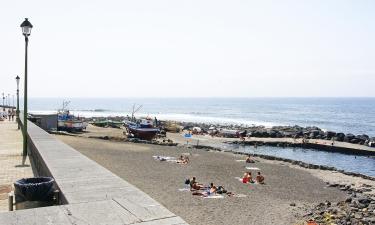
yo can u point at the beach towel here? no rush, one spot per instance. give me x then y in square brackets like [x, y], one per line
[240, 160]
[165, 158]
[213, 196]
[252, 168]
[184, 189]
[238, 196]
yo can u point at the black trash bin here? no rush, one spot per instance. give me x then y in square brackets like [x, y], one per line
[34, 192]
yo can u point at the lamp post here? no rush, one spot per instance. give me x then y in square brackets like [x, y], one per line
[26, 31]
[18, 101]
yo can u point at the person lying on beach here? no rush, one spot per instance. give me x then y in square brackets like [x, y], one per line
[259, 178]
[249, 160]
[221, 190]
[211, 190]
[183, 160]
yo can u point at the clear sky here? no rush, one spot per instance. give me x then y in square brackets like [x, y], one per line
[181, 48]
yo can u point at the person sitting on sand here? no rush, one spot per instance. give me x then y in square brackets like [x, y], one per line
[183, 160]
[194, 184]
[249, 178]
[249, 160]
[245, 179]
[213, 188]
[259, 178]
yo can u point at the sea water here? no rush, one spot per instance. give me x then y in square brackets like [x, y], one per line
[348, 162]
[347, 115]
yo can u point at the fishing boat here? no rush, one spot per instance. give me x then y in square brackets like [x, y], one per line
[107, 123]
[67, 121]
[142, 130]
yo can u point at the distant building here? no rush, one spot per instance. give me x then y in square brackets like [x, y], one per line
[48, 122]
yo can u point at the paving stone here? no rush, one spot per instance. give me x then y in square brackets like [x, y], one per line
[100, 212]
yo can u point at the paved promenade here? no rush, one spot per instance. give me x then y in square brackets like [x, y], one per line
[10, 160]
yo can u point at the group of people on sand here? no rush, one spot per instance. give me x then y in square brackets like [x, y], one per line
[247, 178]
[181, 160]
[201, 190]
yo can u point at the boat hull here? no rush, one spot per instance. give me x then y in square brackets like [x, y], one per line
[143, 133]
[71, 125]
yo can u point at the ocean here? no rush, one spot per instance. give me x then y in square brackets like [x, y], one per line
[347, 115]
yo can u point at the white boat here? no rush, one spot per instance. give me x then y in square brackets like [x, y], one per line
[68, 122]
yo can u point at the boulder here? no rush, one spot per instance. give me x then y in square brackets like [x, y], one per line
[349, 137]
[339, 137]
[330, 134]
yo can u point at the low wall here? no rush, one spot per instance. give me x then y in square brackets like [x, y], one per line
[91, 194]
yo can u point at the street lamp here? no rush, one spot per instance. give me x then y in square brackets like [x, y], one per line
[26, 31]
[18, 101]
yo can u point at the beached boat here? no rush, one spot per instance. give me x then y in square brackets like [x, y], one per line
[68, 122]
[142, 130]
[107, 123]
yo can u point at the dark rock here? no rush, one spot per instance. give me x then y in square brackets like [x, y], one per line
[339, 137]
[349, 137]
[364, 200]
[330, 135]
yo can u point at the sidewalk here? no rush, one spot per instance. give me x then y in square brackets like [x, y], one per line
[11, 168]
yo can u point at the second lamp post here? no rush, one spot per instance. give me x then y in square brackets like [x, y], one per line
[18, 101]
[26, 31]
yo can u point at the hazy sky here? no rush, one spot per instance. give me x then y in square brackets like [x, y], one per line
[190, 48]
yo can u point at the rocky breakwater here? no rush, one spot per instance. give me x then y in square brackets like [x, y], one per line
[309, 133]
[284, 132]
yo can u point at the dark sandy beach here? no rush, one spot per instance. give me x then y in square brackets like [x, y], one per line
[263, 204]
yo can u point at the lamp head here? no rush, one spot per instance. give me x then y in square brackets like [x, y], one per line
[26, 27]
[18, 81]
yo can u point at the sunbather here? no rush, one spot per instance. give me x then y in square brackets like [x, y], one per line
[247, 178]
[183, 160]
[249, 160]
[194, 185]
[260, 178]
[213, 188]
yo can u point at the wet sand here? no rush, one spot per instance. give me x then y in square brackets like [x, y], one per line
[263, 204]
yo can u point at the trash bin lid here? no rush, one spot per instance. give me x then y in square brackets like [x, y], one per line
[34, 189]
